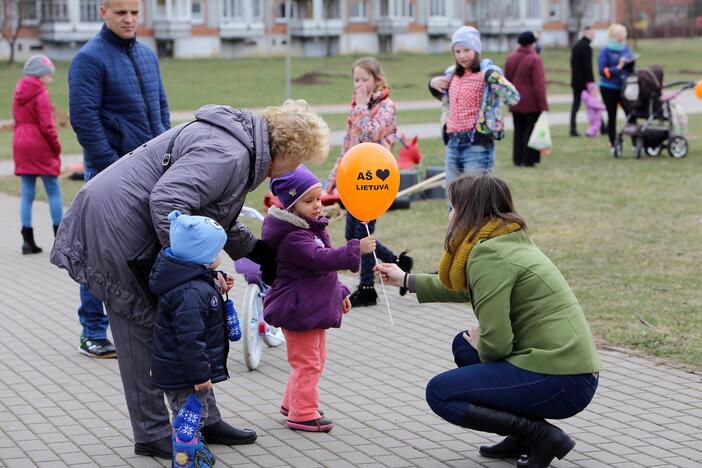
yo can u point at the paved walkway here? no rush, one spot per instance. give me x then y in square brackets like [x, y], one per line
[60, 408]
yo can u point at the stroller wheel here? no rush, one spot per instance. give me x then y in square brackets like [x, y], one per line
[617, 148]
[654, 151]
[638, 147]
[677, 147]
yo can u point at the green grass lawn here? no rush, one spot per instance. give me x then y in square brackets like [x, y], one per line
[256, 82]
[625, 233]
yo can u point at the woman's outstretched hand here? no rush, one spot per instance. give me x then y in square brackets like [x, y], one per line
[391, 274]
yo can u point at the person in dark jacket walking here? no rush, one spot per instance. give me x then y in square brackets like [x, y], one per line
[190, 343]
[216, 161]
[117, 102]
[306, 298]
[36, 148]
[525, 69]
[580, 73]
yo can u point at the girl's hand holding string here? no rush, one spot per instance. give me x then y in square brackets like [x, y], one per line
[346, 304]
[367, 244]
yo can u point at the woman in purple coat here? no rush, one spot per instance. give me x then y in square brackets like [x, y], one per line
[306, 298]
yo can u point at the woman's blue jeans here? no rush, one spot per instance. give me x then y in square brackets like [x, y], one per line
[501, 385]
[29, 190]
[462, 156]
[356, 230]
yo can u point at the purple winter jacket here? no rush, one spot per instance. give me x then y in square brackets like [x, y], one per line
[306, 294]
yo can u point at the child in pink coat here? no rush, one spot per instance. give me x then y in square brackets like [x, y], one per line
[593, 103]
[35, 145]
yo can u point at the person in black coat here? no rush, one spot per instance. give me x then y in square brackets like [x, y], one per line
[581, 73]
[190, 341]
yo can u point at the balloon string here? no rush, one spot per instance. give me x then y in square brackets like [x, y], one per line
[385, 293]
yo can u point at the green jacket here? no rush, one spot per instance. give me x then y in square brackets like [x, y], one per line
[528, 314]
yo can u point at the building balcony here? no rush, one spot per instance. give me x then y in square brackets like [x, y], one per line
[509, 25]
[316, 28]
[173, 28]
[388, 25]
[442, 25]
[233, 29]
[68, 32]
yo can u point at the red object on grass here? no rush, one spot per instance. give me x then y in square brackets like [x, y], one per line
[409, 154]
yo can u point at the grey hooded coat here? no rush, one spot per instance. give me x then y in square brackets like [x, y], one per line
[113, 215]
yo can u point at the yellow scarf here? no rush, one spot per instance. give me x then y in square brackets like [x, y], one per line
[452, 268]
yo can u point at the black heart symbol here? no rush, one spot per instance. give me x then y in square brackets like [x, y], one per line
[383, 174]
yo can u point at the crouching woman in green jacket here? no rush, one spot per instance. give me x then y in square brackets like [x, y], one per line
[532, 356]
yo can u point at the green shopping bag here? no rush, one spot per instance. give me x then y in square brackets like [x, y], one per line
[540, 138]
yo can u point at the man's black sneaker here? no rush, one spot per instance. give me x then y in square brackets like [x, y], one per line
[101, 348]
[363, 296]
[405, 262]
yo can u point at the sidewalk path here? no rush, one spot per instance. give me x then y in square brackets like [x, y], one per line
[59, 408]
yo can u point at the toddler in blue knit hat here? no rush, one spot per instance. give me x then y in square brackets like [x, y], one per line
[190, 344]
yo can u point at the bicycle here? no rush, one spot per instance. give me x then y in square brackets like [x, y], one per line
[255, 330]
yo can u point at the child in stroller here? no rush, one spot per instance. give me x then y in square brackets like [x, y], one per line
[665, 123]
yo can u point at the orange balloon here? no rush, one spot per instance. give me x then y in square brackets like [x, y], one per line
[698, 89]
[368, 180]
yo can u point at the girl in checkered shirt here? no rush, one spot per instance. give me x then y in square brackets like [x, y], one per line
[473, 91]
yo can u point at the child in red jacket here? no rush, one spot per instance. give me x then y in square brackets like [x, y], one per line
[35, 145]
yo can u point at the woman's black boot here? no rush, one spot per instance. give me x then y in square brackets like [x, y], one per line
[545, 440]
[511, 447]
[28, 246]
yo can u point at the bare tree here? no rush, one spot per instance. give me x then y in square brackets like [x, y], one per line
[13, 14]
[629, 11]
[578, 9]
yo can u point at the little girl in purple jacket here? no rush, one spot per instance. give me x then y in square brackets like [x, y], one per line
[306, 298]
[595, 108]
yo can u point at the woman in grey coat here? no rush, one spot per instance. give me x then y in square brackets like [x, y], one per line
[116, 213]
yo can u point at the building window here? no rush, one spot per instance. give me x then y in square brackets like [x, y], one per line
[197, 11]
[233, 9]
[280, 13]
[332, 9]
[55, 11]
[89, 11]
[256, 9]
[533, 9]
[437, 8]
[554, 12]
[404, 8]
[359, 10]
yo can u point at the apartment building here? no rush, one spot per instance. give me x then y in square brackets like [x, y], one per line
[236, 28]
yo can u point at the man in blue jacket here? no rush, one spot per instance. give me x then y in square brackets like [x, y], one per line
[117, 102]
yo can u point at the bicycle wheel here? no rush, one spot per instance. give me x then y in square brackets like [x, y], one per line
[273, 337]
[253, 343]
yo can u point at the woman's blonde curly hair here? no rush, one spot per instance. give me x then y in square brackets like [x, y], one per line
[296, 130]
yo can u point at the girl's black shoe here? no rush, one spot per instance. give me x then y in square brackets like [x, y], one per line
[363, 296]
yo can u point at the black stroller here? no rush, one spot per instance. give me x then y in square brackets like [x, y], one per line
[664, 121]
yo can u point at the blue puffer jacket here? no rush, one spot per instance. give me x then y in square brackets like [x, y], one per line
[610, 76]
[116, 98]
[190, 331]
